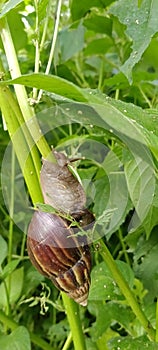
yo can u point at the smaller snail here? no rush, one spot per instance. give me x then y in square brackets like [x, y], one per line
[60, 187]
[60, 255]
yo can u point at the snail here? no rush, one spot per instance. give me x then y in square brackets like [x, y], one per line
[53, 245]
[60, 188]
[60, 255]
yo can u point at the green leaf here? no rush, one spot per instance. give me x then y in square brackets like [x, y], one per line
[114, 312]
[16, 26]
[32, 280]
[17, 340]
[10, 5]
[71, 42]
[141, 181]
[151, 219]
[9, 268]
[3, 249]
[80, 9]
[45, 208]
[98, 46]
[146, 265]
[49, 83]
[15, 287]
[141, 25]
[99, 24]
[42, 8]
[103, 286]
[130, 343]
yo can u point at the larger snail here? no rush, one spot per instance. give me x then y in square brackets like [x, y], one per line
[54, 248]
[57, 254]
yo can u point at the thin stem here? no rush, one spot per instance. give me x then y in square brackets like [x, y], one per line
[101, 75]
[56, 26]
[11, 207]
[156, 338]
[72, 311]
[117, 94]
[122, 284]
[45, 25]
[9, 323]
[20, 146]
[68, 342]
[37, 50]
[123, 247]
[7, 298]
[145, 97]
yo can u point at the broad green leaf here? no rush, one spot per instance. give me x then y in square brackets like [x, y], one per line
[32, 280]
[98, 47]
[141, 25]
[99, 24]
[117, 200]
[16, 26]
[151, 219]
[142, 125]
[80, 9]
[49, 83]
[42, 8]
[141, 182]
[17, 340]
[107, 314]
[8, 6]
[15, 287]
[9, 268]
[146, 265]
[130, 343]
[3, 249]
[71, 42]
[103, 286]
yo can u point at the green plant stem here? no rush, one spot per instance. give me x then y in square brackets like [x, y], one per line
[144, 96]
[37, 50]
[55, 33]
[72, 311]
[123, 246]
[122, 284]
[9, 323]
[11, 207]
[45, 25]
[68, 342]
[27, 111]
[156, 338]
[101, 75]
[20, 146]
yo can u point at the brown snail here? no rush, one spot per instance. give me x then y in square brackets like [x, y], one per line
[60, 188]
[59, 255]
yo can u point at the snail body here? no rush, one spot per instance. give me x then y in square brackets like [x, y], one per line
[59, 255]
[60, 188]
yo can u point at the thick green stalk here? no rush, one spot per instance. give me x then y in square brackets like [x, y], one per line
[20, 145]
[72, 311]
[9, 323]
[122, 284]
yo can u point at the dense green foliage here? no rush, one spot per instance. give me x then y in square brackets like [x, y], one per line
[91, 80]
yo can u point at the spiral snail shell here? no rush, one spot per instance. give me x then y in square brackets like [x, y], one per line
[59, 255]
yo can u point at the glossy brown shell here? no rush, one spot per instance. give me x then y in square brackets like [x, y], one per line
[59, 255]
[59, 186]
